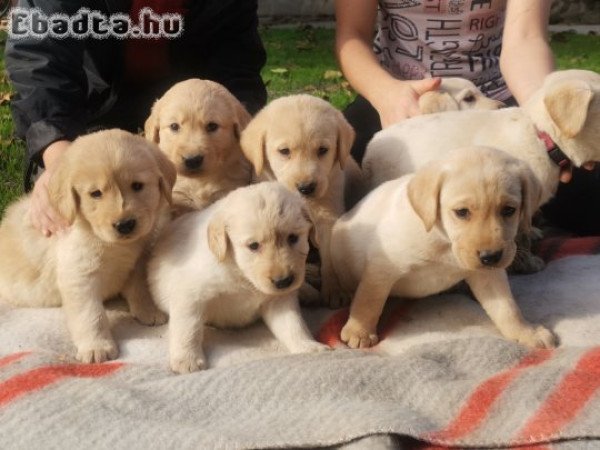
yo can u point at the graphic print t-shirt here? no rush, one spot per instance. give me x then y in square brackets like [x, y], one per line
[443, 38]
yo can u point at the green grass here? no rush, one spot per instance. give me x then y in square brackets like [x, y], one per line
[299, 60]
[11, 150]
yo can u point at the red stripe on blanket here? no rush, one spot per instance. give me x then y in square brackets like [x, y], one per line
[480, 402]
[12, 358]
[329, 333]
[559, 247]
[41, 377]
[566, 401]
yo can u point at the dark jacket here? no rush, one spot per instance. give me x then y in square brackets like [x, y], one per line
[63, 85]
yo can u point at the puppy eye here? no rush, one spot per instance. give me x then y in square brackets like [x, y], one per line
[211, 127]
[462, 213]
[254, 246]
[96, 194]
[469, 98]
[284, 151]
[174, 127]
[508, 211]
[137, 186]
[292, 239]
[322, 151]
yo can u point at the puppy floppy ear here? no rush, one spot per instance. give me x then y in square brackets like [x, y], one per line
[424, 193]
[168, 173]
[435, 101]
[345, 139]
[152, 124]
[253, 142]
[62, 194]
[531, 196]
[312, 234]
[567, 104]
[242, 118]
[217, 237]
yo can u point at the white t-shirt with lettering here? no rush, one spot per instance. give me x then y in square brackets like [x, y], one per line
[443, 38]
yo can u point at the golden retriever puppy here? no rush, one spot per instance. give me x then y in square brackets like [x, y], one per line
[456, 94]
[455, 219]
[240, 259]
[304, 142]
[197, 123]
[558, 127]
[114, 188]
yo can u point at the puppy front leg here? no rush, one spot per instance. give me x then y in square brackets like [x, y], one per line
[87, 322]
[492, 290]
[360, 330]
[186, 329]
[139, 298]
[282, 316]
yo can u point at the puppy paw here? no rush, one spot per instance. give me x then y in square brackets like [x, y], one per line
[355, 336]
[537, 337]
[150, 316]
[97, 351]
[309, 347]
[187, 363]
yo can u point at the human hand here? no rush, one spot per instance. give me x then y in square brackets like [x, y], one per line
[566, 174]
[41, 213]
[401, 99]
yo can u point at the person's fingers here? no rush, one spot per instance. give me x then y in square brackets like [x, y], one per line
[589, 165]
[426, 85]
[565, 175]
[42, 215]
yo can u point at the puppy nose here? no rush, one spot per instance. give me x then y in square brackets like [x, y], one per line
[125, 227]
[193, 163]
[282, 283]
[490, 258]
[306, 188]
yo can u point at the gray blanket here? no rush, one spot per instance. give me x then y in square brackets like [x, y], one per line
[442, 376]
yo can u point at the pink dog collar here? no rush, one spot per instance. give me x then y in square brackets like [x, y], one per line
[554, 151]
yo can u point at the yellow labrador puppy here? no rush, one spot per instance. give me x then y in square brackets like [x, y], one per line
[238, 260]
[304, 142]
[114, 188]
[456, 94]
[455, 219]
[197, 123]
[558, 127]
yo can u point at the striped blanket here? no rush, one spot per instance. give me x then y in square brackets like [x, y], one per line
[441, 376]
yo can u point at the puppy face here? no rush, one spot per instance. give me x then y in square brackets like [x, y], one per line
[456, 94]
[114, 182]
[197, 123]
[264, 230]
[479, 197]
[300, 138]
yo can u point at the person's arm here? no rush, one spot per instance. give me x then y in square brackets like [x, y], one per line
[49, 103]
[526, 56]
[393, 99]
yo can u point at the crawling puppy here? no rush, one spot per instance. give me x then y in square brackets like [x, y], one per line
[304, 142]
[455, 219]
[114, 188]
[559, 127]
[239, 259]
[197, 123]
[456, 94]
